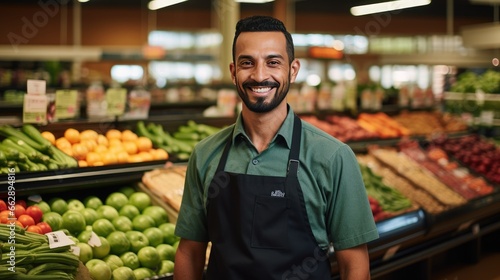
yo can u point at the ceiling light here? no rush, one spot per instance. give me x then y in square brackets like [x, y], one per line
[158, 4]
[253, 1]
[387, 6]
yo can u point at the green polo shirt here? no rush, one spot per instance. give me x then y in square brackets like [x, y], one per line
[329, 175]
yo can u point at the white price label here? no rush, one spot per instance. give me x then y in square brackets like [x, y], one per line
[94, 240]
[58, 239]
[75, 250]
[36, 86]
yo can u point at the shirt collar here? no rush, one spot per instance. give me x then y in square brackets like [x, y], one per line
[285, 132]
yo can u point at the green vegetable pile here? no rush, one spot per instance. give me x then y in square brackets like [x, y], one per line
[469, 82]
[25, 149]
[181, 142]
[30, 256]
[390, 199]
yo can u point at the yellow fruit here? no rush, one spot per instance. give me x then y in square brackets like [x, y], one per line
[72, 135]
[82, 163]
[92, 158]
[79, 151]
[88, 134]
[102, 140]
[122, 157]
[159, 154]
[114, 142]
[109, 158]
[62, 143]
[100, 149]
[145, 156]
[134, 158]
[89, 143]
[130, 147]
[144, 144]
[114, 134]
[49, 136]
[128, 135]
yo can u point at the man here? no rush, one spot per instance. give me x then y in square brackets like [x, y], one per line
[271, 192]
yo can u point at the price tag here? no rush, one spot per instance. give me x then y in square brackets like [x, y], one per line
[116, 99]
[36, 87]
[66, 104]
[391, 252]
[94, 240]
[58, 239]
[35, 108]
[35, 198]
[75, 250]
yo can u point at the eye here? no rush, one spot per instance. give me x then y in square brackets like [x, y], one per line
[246, 63]
[274, 62]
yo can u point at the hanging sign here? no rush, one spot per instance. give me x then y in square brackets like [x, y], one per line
[35, 102]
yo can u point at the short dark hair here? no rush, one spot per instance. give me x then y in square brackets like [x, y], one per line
[263, 24]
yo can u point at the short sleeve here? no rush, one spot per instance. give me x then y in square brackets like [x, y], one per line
[350, 220]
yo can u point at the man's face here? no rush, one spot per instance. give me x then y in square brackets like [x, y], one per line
[261, 70]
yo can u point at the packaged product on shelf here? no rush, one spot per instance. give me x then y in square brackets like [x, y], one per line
[96, 101]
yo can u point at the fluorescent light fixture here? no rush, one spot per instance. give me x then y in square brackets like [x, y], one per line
[253, 1]
[158, 4]
[387, 6]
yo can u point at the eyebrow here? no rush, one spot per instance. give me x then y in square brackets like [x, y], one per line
[271, 56]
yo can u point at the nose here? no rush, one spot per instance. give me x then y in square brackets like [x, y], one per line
[259, 72]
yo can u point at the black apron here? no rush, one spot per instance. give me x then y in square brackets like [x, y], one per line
[258, 225]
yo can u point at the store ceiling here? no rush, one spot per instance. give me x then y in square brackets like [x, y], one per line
[438, 8]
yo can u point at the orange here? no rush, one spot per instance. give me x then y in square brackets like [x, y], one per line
[67, 150]
[79, 151]
[72, 135]
[49, 136]
[129, 135]
[92, 158]
[109, 158]
[122, 157]
[82, 163]
[130, 147]
[102, 140]
[114, 134]
[145, 156]
[159, 154]
[114, 142]
[88, 134]
[116, 149]
[144, 144]
[89, 143]
[62, 143]
[134, 158]
[100, 149]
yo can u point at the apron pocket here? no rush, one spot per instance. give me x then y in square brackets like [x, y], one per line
[270, 223]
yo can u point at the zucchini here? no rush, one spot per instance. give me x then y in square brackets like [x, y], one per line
[7, 131]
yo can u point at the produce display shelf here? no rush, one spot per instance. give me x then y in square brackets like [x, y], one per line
[71, 179]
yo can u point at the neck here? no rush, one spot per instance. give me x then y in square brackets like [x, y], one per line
[262, 127]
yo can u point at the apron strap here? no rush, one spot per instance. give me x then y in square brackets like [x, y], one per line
[293, 160]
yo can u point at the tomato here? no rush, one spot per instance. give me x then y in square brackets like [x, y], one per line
[26, 220]
[4, 216]
[21, 202]
[34, 228]
[19, 210]
[44, 227]
[3, 205]
[35, 212]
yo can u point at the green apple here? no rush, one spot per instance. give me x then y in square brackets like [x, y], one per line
[158, 213]
[118, 242]
[54, 220]
[166, 252]
[90, 215]
[113, 261]
[107, 212]
[154, 235]
[137, 240]
[142, 222]
[116, 200]
[124, 273]
[98, 269]
[149, 257]
[130, 259]
[103, 227]
[101, 251]
[58, 205]
[86, 253]
[127, 190]
[74, 222]
[122, 223]
[75, 204]
[169, 236]
[166, 267]
[93, 202]
[143, 273]
[129, 211]
[141, 200]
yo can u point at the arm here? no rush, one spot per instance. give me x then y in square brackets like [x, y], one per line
[354, 263]
[189, 260]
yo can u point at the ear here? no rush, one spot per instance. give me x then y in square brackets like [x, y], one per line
[294, 70]
[232, 70]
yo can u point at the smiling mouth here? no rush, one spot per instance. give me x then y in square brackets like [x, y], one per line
[260, 89]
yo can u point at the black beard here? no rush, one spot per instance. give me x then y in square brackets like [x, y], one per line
[260, 106]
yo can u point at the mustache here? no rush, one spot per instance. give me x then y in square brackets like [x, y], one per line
[261, 84]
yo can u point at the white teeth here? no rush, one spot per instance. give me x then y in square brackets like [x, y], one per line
[261, 89]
